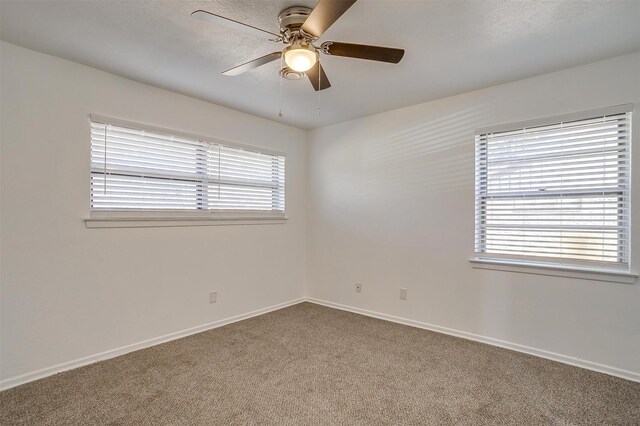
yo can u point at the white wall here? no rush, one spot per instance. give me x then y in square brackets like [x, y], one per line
[70, 292]
[391, 204]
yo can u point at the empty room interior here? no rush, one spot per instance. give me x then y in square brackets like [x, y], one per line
[320, 212]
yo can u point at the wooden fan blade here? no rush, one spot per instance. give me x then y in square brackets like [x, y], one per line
[363, 51]
[318, 84]
[324, 15]
[253, 64]
[230, 24]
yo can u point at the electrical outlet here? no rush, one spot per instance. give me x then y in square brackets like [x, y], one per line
[213, 297]
[403, 293]
[358, 287]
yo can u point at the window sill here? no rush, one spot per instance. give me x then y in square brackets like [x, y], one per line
[158, 222]
[605, 275]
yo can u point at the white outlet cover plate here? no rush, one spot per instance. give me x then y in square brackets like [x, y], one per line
[403, 293]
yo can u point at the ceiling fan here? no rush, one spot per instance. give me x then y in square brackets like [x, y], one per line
[300, 28]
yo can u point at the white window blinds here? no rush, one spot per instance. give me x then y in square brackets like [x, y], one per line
[556, 193]
[133, 169]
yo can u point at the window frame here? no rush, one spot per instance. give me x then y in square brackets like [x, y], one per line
[135, 218]
[569, 268]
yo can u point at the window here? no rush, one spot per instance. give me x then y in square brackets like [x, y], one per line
[134, 169]
[556, 192]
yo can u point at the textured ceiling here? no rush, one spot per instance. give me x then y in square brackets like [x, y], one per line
[451, 47]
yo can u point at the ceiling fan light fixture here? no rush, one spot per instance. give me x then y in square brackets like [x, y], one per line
[300, 27]
[300, 58]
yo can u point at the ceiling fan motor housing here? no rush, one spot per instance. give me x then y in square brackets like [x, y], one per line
[292, 18]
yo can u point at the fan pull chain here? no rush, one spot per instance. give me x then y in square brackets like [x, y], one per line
[280, 77]
[319, 83]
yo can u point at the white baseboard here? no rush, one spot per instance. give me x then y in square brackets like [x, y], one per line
[594, 366]
[70, 365]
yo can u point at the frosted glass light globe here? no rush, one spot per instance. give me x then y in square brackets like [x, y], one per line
[300, 58]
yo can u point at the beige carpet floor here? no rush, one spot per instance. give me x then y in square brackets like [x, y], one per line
[308, 364]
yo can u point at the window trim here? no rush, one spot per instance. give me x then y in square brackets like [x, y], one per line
[127, 221]
[590, 272]
[140, 218]
[555, 270]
